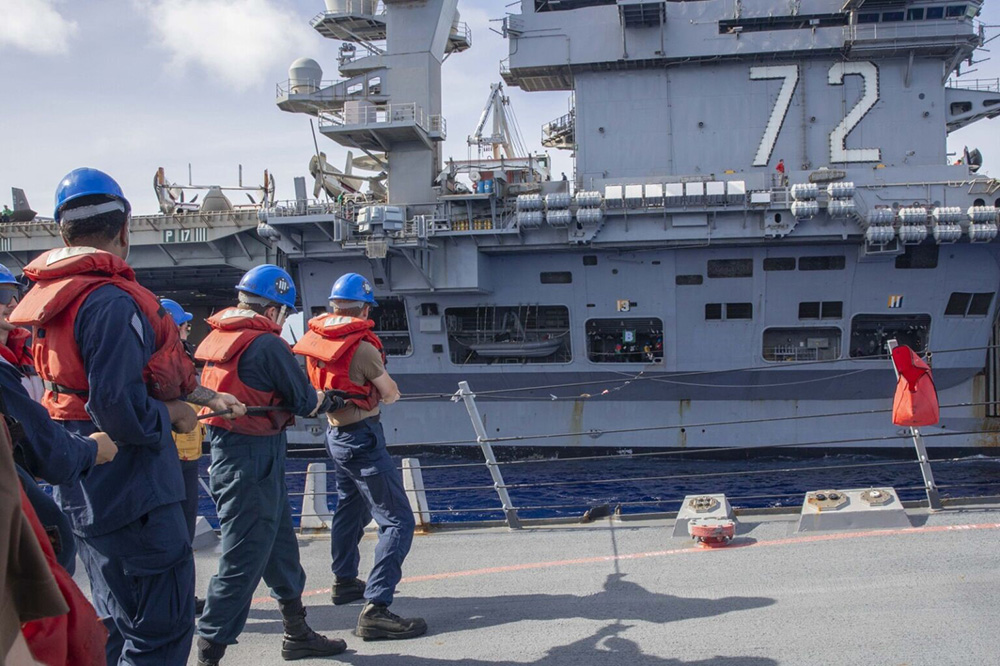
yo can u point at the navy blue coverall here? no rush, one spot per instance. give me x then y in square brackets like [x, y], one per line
[368, 486]
[247, 480]
[50, 452]
[127, 514]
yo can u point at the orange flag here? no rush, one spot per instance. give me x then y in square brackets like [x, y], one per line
[916, 401]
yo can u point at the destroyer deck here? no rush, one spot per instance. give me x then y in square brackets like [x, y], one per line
[625, 592]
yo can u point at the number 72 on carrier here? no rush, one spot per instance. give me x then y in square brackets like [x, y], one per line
[839, 152]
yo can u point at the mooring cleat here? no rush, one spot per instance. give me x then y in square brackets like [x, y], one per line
[712, 532]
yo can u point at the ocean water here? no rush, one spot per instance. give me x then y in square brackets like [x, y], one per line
[541, 487]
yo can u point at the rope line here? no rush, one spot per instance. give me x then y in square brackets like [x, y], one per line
[471, 440]
[741, 422]
[691, 373]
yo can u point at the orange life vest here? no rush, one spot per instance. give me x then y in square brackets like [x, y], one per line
[17, 351]
[329, 345]
[233, 329]
[64, 278]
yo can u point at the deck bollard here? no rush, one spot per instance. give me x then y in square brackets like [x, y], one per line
[316, 515]
[466, 394]
[204, 536]
[413, 482]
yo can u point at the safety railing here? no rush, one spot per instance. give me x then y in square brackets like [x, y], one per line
[359, 8]
[559, 125]
[387, 114]
[982, 85]
[638, 482]
[461, 32]
[294, 208]
[953, 31]
[290, 87]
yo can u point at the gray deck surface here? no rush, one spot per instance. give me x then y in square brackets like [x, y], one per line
[627, 593]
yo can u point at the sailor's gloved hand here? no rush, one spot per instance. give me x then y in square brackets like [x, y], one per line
[182, 417]
[328, 401]
[225, 402]
[106, 448]
[332, 402]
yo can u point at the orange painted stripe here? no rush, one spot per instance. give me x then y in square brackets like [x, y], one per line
[790, 541]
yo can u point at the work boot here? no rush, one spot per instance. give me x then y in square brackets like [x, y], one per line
[346, 590]
[377, 621]
[299, 641]
[209, 653]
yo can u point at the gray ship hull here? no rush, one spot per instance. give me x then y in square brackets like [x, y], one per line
[710, 371]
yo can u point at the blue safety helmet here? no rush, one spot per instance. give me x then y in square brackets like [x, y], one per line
[84, 182]
[177, 313]
[353, 287]
[6, 277]
[270, 282]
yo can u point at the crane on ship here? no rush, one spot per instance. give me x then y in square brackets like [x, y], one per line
[505, 140]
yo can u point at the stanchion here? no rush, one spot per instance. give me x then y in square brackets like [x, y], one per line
[316, 515]
[466, 394]
[413, 483]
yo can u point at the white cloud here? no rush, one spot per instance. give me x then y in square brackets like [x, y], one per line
[35, 26]
[238, 41]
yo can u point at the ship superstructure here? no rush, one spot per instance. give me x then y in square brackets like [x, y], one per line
[762, 198]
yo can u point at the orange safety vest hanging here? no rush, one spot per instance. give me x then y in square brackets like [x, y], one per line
[64, 278]
[916, 402]
[233, 329]
[329, 345]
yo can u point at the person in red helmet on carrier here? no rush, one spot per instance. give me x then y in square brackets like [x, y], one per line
[244, 354]
[344, 356]
[110, 360]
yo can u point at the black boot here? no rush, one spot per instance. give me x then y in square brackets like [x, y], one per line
[299, 641]
[346, 590]
[209, 653]
[377, 621]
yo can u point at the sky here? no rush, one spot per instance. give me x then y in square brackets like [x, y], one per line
[131, 85]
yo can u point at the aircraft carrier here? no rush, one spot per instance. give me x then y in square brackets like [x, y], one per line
[762, 197]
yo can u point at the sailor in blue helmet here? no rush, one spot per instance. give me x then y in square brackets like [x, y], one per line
[181, 317]
[42, 448]
[343, 355]
[111, 360]
[245, 355]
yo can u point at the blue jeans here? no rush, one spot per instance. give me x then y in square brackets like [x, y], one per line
[368, 486]
[247, 480]
[142, 584]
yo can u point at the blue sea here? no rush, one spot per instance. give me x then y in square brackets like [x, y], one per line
[459, 489]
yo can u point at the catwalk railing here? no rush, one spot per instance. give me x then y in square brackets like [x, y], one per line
[585, 481]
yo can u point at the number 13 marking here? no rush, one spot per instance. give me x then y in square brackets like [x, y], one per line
[838, 137]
